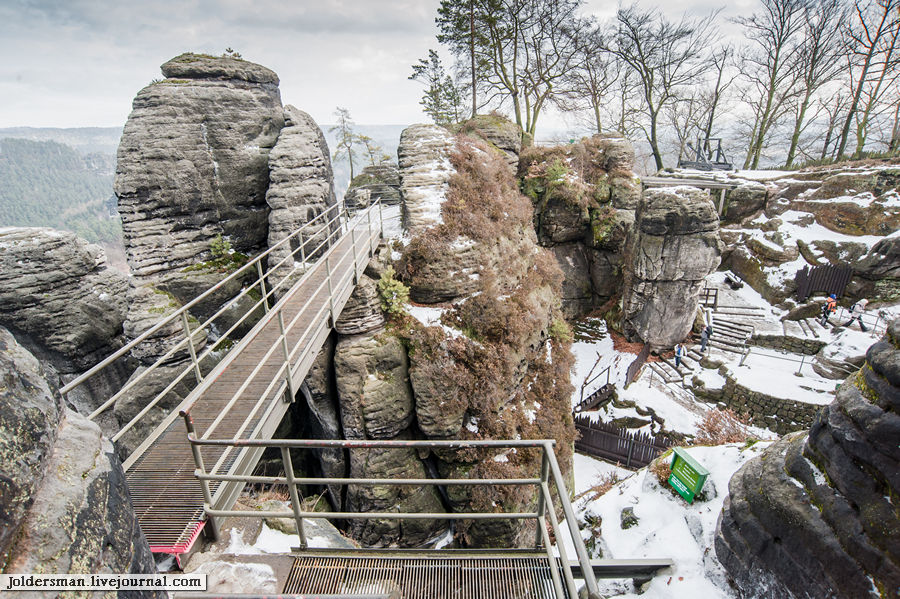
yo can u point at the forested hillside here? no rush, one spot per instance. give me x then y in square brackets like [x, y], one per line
[47, 184]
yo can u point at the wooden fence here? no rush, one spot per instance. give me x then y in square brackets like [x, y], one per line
[827, 279]
[635, 367]
[614, 444]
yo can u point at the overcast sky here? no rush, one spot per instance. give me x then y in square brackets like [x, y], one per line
[77, 63]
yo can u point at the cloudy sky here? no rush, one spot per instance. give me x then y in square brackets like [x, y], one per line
[76, 63]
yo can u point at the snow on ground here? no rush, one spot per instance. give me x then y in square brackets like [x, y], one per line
[745, 296]
[391, 223]
[667, 526]
[774, 373]
[431, 317]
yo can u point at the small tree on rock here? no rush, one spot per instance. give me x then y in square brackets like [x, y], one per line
[346, 138]
[442, 100]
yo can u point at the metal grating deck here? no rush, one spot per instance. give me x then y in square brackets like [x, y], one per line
[518, 577]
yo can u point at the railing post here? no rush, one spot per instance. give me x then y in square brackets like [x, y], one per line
[802, 359]
[355, 259]
[262, 286]
[292, 489]
[287, 358]
[369, 218]
[201, 470]
[330, 291]
[381, 218]
[545, 474]
[302, 252]
[744, 357]
[190, 342]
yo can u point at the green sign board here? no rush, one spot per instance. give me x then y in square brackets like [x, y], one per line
[687, 475]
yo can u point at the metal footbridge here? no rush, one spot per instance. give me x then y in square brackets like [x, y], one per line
[186, 475]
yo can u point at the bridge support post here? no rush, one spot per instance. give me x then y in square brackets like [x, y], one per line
[381, 218]
[201, 470]
[190, 343]
[292, 489]
[262, 286]
[287, 358]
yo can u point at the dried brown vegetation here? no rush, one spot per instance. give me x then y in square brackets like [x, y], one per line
[722, 426]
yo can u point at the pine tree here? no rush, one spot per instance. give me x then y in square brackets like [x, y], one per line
[442, 100]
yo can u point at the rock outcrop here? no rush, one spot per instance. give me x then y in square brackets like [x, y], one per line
[62, 302]
[584, 195]
[376, 182]
[301, 188]
[499, 133]
[676, 245]
[193, 162]
[424, 168]
[813, 516]
[63, 496]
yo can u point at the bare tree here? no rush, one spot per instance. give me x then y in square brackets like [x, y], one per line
[819, 59]
[834, 108]
[665, 56]
[768, 64]
[589, 80]
[871, 38]
[721, 61]
[686, 116]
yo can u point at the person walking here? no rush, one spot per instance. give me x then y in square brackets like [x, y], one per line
[679, 352]
[856, 313]
[828, 309]
[704, 338]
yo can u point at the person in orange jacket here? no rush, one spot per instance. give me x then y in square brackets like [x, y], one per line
[829, 308]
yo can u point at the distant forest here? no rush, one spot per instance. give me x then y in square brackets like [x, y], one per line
[47, 184]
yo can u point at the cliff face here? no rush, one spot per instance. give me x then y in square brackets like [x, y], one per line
[488, 359]
[584, 196]
[815, 515]
[64, 501]
[676, 245]
[193, 162]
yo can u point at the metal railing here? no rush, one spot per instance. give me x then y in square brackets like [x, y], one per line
[217, 507]
[267, 286]
[847, 367]
[877, 323]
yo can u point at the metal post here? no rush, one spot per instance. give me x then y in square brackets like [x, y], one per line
[545, 473]
[355, 259]
[190, 342]
[381, 218]
[201, 469]
[744, 357]
[295, 497]
[302, 252]
[369, 218]
[802, 359]
[330, 292]
[262, 285]
[287, 358]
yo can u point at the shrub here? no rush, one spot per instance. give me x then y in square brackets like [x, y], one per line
[219, 247]
[394, 294]
[604, 482]
[722, 426]
[560, 331]
[661, 468]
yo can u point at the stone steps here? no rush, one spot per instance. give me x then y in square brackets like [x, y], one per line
[667, 376]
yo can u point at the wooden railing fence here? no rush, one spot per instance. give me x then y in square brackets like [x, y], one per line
[606, 441]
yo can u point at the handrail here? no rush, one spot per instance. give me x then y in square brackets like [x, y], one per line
[171, 317]
[332, 242]
[546, 508]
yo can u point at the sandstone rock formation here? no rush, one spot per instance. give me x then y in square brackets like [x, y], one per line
[424, 167]
[193, 162]
[584, 195]
[301, 187]
[65, 507]
[813, 515]
[500, 133]
[63, 303]
[676, 245]
[376, 182]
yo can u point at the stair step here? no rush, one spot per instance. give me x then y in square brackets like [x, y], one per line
[730, 324]
[812, 328]
[664, 375]
[724, 347]
[684, 366]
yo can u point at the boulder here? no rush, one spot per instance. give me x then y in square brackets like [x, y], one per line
[63, 498]
[500, 133]
[301, 188]
[30, 413]
[392, 463]
[424, 169]
[376, 182]
[362, 313]
[676, 246]
[748, 198]
[372, 376]
[878, 272]
[57, 293]
[193, 162]
[812, 516]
